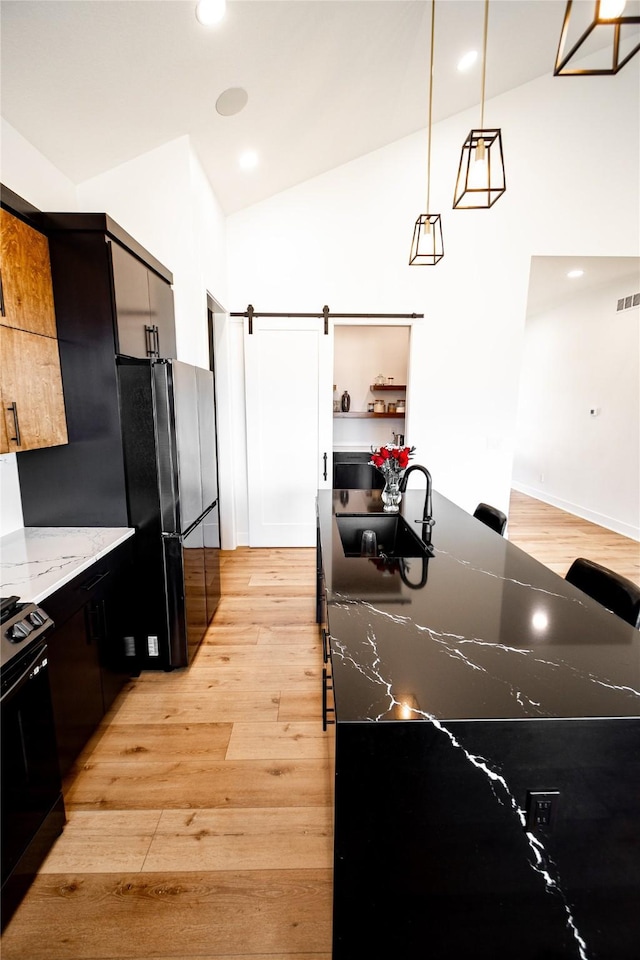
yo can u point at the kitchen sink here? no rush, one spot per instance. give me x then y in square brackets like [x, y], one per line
[395, 537]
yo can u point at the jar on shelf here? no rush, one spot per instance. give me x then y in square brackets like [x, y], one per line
[378, 406]
[391, 407]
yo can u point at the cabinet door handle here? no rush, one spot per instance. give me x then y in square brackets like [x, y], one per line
[94, 581]
[156, 334]
[326, 685]
[3, 312]
[324, 457]
[148, 334]
[95, 622]
[325, 645]
[13, 407]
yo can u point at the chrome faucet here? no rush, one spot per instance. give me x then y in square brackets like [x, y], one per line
[427, 518]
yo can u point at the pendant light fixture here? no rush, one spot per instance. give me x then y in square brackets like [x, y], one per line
[427, 247]
[481, 179]
[607, 19]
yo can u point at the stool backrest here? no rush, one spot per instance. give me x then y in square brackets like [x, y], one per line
[613, 591]
[491, 516]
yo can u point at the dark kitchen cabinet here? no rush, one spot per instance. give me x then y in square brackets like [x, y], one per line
[76, 686]
[143, 308]
[108, 289]
[91, 650]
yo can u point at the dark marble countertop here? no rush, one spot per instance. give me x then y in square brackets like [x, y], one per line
[480, 631]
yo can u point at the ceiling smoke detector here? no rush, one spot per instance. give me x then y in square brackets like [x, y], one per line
[231, 101]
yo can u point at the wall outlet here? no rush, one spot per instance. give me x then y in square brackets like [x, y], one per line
[542, 478]
[152, 646]
[542, 806]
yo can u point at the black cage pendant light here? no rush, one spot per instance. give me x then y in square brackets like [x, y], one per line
[427, 247]
[481, 179]
[605, 21]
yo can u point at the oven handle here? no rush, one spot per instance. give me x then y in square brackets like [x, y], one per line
[26, 675]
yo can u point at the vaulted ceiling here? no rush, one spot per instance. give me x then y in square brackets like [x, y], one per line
[93, 84]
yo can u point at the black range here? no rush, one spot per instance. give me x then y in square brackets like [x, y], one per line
[33, 812]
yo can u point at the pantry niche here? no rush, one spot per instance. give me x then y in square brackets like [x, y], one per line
[371, 363]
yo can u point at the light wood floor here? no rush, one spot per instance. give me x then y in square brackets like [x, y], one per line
[199, 814]
[556, 538]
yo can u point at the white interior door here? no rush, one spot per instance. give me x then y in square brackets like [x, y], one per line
[288, 377]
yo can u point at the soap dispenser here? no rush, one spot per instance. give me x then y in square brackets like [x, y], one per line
[345, 403]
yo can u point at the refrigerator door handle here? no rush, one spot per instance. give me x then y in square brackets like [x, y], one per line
[199, 520]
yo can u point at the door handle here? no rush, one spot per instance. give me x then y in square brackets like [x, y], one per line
[3, 312]
[324, 457]
[13, 407]
[152, 340]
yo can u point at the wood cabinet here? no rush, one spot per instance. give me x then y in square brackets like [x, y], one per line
[32, 398]
[33, 410]
[27, 293]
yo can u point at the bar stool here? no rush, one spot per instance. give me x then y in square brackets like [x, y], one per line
[616, 593]
[491, 516]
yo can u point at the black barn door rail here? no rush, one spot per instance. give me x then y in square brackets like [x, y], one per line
[250, 313]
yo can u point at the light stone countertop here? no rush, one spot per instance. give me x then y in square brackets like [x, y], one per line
[37, 561]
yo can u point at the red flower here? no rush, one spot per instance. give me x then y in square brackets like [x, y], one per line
[391, 459]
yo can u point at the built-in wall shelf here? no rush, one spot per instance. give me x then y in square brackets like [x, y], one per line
[375, 387]
[364, 415]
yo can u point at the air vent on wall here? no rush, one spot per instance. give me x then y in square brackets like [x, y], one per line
[626, 303]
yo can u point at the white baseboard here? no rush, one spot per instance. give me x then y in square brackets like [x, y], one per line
[610, 523]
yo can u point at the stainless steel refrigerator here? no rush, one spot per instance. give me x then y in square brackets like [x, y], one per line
[167, 411]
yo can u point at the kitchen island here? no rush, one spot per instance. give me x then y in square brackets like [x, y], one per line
[487, 756]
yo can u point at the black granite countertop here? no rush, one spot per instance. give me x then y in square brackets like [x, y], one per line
[479, 631]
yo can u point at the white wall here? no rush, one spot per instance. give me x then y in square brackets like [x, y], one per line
[579, 356]
[342, 239]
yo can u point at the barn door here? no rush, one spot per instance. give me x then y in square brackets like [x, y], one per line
[288, 377]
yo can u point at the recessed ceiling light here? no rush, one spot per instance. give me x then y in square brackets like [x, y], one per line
[574, 274]
[231, 101]
[466, 62]
[248, 160]
[210, 12]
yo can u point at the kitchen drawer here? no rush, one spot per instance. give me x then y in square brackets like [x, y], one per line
[66, 601]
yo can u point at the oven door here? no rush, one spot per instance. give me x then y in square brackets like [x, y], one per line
[32, 806]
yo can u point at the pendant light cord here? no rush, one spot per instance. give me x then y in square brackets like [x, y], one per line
[484, 60]
[433, 20]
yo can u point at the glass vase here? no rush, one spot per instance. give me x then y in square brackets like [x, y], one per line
[391, 495]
